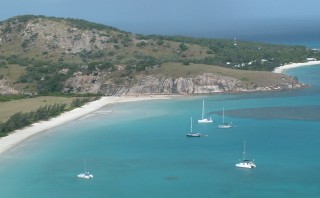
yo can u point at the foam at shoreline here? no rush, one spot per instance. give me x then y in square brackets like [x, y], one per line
[18, 136]
[281, 69]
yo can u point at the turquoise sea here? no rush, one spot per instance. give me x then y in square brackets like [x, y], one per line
[140, 150]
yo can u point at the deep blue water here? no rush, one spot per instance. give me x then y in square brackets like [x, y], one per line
[310, 40]
[140, 149]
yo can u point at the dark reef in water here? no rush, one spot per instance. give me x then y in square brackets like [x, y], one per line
[311, 113]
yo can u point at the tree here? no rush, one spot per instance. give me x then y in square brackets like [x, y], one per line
[183, 47]
[141, 44]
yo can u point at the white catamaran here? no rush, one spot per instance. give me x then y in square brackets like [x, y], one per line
[245, 163]
[225, 125]
[203, 118]
[85, 174]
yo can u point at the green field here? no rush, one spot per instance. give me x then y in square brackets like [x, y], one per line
[9, 108]
[259, 78]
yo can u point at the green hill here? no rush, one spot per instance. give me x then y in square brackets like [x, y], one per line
[48, 55]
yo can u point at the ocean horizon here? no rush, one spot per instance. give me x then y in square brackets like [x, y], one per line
[301, 34]
[140, 149]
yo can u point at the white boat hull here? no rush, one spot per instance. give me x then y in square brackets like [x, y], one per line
[246, 165]
[85, 176]
[193, 134]
[225, 126]
[205, 120]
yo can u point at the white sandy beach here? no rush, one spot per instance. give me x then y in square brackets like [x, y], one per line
[19, 135]
[281, 69]
[22, 134]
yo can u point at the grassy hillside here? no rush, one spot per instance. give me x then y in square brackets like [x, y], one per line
[259, 78]
[38, 54]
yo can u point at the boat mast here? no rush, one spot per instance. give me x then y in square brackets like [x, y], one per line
[223, 115]
[244, 150]
[84, 165]
[202, 109]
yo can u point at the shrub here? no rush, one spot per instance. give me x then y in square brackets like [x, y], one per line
[209, 52]
[141, 44]
[160, 42]
[3, 64]
[183, 47]
[185, 62]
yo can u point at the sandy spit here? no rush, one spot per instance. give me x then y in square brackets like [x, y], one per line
[281, 69]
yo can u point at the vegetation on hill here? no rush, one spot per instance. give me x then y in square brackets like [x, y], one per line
[63, 56]
[51, 50]
[243, 55]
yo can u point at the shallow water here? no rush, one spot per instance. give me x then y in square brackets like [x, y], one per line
[140, 149]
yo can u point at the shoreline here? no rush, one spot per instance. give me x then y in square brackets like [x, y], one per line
[14, 138]
[281, 69]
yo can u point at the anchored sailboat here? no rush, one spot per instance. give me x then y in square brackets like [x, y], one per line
[203, 118]
[85, 174]
[191, 133]
[225, 125]
[245, 163]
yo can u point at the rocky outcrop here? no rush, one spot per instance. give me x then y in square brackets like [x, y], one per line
[5, 89]
[207, 83]
[201, 84]
[80, 83]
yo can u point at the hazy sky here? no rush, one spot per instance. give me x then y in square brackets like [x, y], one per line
[211, 18]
